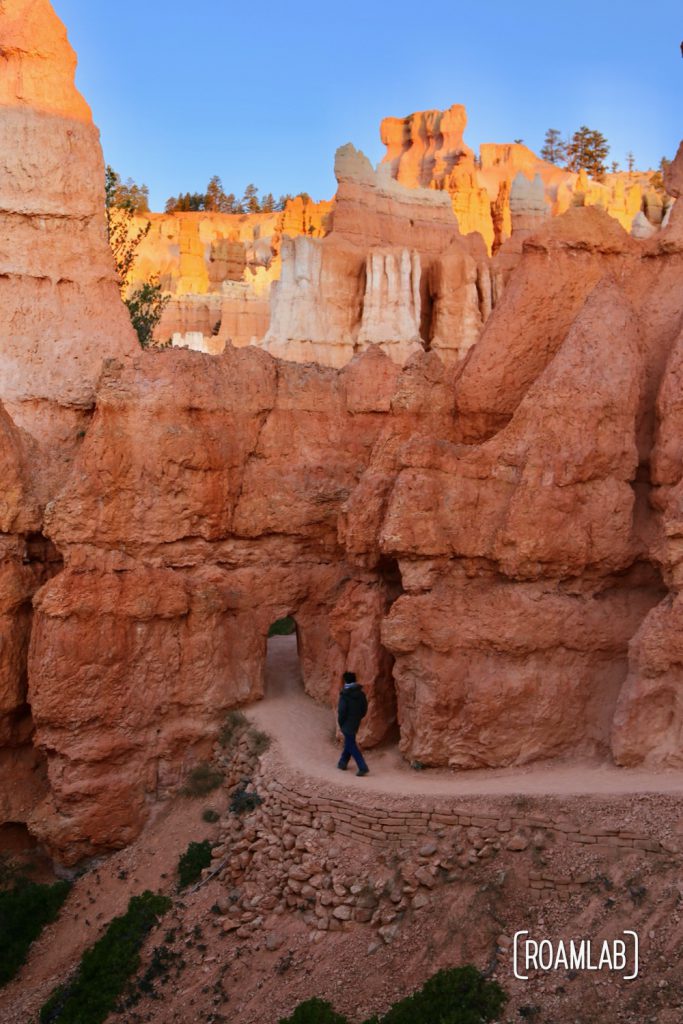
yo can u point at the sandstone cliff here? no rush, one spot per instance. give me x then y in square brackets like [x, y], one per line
[345, 497]
[60, 311]
[375, 549]
[427, 149]
[60, 316]
[393, 271]
[218, 269]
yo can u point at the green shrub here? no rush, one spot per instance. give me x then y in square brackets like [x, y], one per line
[192, 862]
[242, 802]
[314, 1011]
[158, 973]
[234, 723]
[203, 779]
[105, 968]
[25, 909]
[459, 995]
[283, 627]
[210, 816]
[146, 305]
[260, 741]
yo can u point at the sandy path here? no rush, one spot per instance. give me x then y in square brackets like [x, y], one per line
[304, 733]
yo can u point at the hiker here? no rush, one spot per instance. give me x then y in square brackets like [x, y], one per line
[353, 707]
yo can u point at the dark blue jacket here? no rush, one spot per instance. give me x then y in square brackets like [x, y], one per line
[353, 706]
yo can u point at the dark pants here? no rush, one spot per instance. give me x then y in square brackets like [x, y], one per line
[351, 751]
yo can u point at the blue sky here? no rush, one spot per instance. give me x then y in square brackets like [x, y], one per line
[266, 92]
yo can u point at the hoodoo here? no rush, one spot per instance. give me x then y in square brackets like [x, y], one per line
[60, 309]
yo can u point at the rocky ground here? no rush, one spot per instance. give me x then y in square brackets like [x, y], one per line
[298, 904]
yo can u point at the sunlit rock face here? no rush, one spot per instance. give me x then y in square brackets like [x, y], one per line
[498, 198]
[427, 149]
[394, 271]
[217, 269]
[60, 310]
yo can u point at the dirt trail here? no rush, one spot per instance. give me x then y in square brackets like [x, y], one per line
[304, 733]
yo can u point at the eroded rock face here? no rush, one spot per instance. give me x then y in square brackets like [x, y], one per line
[60, 315]
[561, 265]
[427, 150]
[540, 488]
[424, 146]
[21, 772]
[394, 272]
[60, 309]
[225, 261]
[172, 597]
[195, 253]
[648, 723]
[345, 497]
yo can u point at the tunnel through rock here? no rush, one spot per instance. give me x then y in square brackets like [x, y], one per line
[282, 667]
[385, 687]
[15, 838]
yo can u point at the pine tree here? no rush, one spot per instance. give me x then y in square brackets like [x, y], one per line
[125, 233]
[587, 151]
[124, 195]
[554, 149]
[215, 199]
[630, 161]
[124, 203]
[268, 203]
[657, 179]
[250, 200]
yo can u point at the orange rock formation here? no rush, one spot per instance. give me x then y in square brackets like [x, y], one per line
[393, 272]
[60, 310]
[506, 191]
[426, 149]
[60, 315]
[200, 258]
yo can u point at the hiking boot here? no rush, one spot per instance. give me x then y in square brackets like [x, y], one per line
[342, 767]
[362, 771]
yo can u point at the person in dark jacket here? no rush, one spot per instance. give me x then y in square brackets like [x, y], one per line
[352, 709]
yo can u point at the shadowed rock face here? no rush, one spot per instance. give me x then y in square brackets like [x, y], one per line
[492, 545]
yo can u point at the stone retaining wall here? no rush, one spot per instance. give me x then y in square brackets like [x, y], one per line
[377, 824]
[291, 854]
